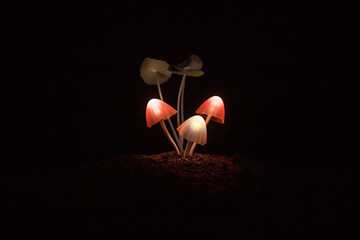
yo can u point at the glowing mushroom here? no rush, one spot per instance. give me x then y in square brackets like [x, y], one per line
[158, 111]
[193, 130]
[155, 72]
[214, 110]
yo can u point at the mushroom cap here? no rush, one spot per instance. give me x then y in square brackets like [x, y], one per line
[194, 129]
[153, 70]
[215, 107]
[157, 110]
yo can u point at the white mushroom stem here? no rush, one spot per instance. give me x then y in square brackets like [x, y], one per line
[208, 118]
[163, 126]
[180, 112]
[159, 89]
[181, 90]
[170, 122]
[182, 103]
[187, 149]
[194, 144]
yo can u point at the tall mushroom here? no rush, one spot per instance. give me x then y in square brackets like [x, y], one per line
[193, 130]
[158, 111]
[155, 72]
[189, 67]
[214, 110]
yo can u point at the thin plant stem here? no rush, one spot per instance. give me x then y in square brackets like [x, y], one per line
[167, 134]
[181, 89]
[170, 123]
[187, 148]
[179, 98]
[176, 136]
[208, 117]
[182, 102]
[159, 89]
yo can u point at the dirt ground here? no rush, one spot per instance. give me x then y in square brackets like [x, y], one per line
[205, 196]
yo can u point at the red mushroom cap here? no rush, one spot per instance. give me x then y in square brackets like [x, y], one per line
[157, 110]
[215, 107]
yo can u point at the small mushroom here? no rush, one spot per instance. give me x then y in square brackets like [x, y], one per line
[193, 130]
[214, 110]
[158, 111]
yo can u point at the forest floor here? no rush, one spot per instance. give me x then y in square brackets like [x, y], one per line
[205, 196]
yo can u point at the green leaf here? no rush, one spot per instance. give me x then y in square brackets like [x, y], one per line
[183, 64]
[192, 73]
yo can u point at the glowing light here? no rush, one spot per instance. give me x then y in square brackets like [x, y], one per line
[157, 110]
[196, 124]
[154, 106]
[216, 101]
[194, 129]
[213, 107]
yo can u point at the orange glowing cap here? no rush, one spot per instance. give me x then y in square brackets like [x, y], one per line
[194, 130]
[157, 110]
[214, 106]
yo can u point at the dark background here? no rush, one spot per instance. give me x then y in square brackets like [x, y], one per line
[285, 73]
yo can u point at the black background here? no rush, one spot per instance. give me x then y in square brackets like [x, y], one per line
[285, 73]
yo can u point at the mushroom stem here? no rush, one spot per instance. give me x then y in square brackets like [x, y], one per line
[194, 144]
[163, 126]
[159, 89]
[181, 90]
[180, 144]
[170, 123]
[208, 118]
[182, 102]
[187, 149]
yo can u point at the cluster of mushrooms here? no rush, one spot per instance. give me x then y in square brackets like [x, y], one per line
[194, 129]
